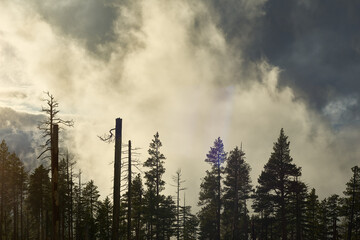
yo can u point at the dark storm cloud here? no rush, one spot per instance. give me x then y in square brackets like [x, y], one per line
[92, 22]
[316, 43]
[10, 118]
[19, 130]
[240, 20]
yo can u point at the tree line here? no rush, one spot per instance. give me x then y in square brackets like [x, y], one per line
[280, 206]
[26, 211]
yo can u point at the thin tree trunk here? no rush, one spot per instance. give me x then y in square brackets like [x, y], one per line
[117, 179]
[157, 199]
[15, 237]
[218, 202]
[151, 216]
[246, 231]
[71, 206]
[235, 233]
[352, 206]
[6, 226]
[78, 227]
[129, 195]
[68, 188]
[2, 222]
[138, 220]
[184, 220]
[21, 212]
[178, 207]
[334, 230]
[54, 180]
[298, 216]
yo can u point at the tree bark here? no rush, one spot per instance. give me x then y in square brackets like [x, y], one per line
[117, 179]
[54, 180]
[129, 195]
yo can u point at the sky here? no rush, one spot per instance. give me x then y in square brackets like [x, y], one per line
[192, 70]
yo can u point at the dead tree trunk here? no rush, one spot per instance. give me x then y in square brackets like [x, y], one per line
[117, 171]
[54, 179]
[129, 195]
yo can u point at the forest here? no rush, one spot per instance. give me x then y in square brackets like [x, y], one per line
[279, 206]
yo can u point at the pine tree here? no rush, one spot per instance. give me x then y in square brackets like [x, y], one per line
[178, 182]
[276, 178]
[15, 184]
[167, 217]
[23, 187]
[137, 207]
[210, 193]
[80, 223]
[4, 159]
[312, 216]
[236, 192]
[296, 209]
[90, 203]
[39, 202]
[324, 220]
[333, 210]
[154, 201]
[190, 223]
[104, 219]
[207, 201]
[264, 223]
[66, 193]
[352, 204]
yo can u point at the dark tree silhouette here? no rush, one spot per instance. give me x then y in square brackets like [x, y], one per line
[277, 178]
[137, 203]
[210, 194]
[155, 184]
[4, 158]
[352, 204]
[46, 126]
[50, 129]
[178, 182]
[312, 216]
[39, 202]
[104, 219]
[237, 189]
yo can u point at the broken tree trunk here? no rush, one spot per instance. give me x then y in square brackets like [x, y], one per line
[55, 179]
[117, 171]
[129, 196]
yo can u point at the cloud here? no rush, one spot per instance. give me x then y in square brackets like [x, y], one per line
[90, 22]
[181, 70]
[317, 46]
[18, 129]
[341, 111]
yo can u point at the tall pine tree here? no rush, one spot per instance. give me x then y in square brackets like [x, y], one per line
[155, 184]
[210, 193]
[277, 178]
[312, 216]
[352, 204]
[237, 191]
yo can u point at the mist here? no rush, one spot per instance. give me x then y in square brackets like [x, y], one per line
[171, 67]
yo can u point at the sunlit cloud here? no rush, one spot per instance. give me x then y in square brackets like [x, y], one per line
[169, 67]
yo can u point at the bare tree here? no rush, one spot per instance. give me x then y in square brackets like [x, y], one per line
[119, 171]
[46, 126]
[178, 182]
[50, 129]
